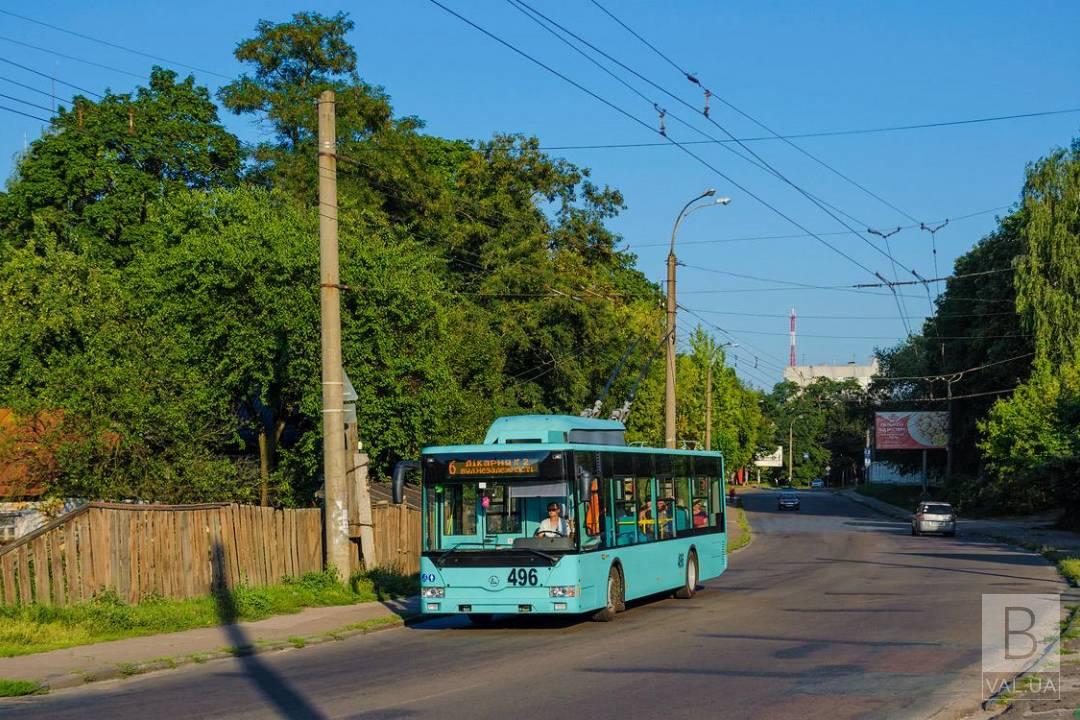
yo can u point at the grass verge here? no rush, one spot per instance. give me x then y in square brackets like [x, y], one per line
[36, 628]
[18, 688]
[744, 525]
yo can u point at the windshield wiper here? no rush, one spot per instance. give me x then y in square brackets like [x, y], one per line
[447, 553]
[550, 558]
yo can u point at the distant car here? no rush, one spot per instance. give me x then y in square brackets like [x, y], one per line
[934, 517]
[817, 483]
[787, 501]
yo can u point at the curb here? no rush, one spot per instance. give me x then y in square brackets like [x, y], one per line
[125, 670]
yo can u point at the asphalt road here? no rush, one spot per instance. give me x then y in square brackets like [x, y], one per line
[831, 612]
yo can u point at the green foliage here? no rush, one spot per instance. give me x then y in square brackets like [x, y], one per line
[162, 305]
[1048, 273]
[827, 422]
[89, 182]
[385, 583]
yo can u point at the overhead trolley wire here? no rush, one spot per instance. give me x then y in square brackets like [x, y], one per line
[813, 199]
[545, 22]
[646, 125]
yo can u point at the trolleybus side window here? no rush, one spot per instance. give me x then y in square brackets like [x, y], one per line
[665, 508]
[702, 503]
[684, 504]
[643, 496]
[626, 511]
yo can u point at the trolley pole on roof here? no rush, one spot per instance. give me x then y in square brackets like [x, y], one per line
[336, 522]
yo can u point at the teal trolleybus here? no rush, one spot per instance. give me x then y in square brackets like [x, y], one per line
[558, 515]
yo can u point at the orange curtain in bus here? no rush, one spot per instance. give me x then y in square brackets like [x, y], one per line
[592, 518]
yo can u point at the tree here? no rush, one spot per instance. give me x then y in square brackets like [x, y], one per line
[89, 181]
[293, 63]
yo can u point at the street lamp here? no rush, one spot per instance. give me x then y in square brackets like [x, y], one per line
[669, 389]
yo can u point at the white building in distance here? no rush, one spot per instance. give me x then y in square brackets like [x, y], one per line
[803, 375]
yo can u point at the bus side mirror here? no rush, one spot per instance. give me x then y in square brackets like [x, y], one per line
[584, 479]
[397, 483]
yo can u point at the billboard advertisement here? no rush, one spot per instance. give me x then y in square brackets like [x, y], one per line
[775, 459]
[911, 430]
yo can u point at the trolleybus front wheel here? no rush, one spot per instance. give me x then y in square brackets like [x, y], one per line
[614, 598]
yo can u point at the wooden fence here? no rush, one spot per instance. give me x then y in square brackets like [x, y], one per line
[397, 538]
[173, 551]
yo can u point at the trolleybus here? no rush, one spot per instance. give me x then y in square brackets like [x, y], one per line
[624, 521]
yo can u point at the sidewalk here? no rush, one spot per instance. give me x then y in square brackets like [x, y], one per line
[121, 658]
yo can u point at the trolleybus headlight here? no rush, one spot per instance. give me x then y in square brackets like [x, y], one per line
[432, 592]
[562, 591]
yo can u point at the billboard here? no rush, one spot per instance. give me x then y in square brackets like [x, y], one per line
[911, 430]
[774, 459]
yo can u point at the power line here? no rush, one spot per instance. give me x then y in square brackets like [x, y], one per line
[545, 22]
[825, 133]
[825, 207]
[946, 399]
[72, 57]
[26, 102]
[20, 112]
[34, 89]
[803, 235]
[784, 316]
[644, 124]
[112, 44]
[51, 77]
[879, 337]
[943, 376]
[692, 78]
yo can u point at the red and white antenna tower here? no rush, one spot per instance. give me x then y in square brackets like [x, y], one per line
[791, 357]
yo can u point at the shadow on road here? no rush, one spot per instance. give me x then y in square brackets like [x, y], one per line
[274, 688]
[1010, 558]
[827, 641]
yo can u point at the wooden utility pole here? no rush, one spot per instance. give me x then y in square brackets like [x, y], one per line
[708, 407]
[336, 523]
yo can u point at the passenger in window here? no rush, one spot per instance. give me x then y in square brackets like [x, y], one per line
[701, 518]
[663, 521]
[554, 525]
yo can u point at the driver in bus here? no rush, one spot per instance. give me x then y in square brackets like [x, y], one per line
[554, 525]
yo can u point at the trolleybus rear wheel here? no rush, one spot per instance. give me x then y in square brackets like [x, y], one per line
[690, 584]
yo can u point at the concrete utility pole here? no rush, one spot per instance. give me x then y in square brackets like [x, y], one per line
[669, 385]
[336, 524]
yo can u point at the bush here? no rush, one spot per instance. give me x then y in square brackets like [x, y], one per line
[385, 583]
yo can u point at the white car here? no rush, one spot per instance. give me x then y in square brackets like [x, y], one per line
[934, 517]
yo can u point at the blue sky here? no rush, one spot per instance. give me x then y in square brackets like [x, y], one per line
[798, 67]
